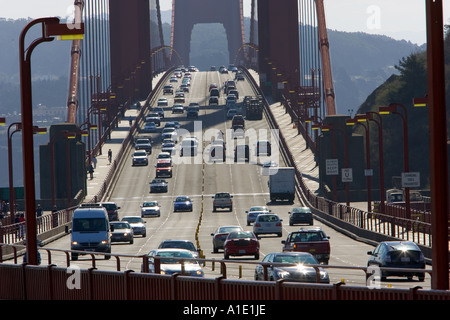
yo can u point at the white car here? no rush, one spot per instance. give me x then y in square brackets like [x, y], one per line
[137, 224]
[150, 208]
[170, 262]
[268, 224]
[140, 158]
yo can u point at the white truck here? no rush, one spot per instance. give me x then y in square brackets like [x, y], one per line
[282, 184]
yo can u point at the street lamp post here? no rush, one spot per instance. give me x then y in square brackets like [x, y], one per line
[392, 108]
[50, 28]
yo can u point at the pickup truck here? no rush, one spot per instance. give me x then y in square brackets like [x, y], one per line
[222, 200]
[312, 240]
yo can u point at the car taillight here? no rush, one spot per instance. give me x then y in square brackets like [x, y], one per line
[278, 224]
[257, 225]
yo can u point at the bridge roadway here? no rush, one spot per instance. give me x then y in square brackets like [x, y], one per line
[200, 181]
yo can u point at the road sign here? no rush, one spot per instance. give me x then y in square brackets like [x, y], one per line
[347, 175]
[410, 179]
[332, 167]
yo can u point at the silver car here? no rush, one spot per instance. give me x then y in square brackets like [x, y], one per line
[171, 262]
[221, 234]
[137, 224]
[122, 232]
[268, 224]
[255, 211]
[150, 208]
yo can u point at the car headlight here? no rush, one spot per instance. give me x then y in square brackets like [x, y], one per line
[104, 242]
[323, 275]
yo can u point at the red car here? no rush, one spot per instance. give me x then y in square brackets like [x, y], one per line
[241, 243]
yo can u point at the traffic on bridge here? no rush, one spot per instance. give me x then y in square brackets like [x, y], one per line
[213, 179]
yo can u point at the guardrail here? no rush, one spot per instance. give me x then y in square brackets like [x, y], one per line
[50, 282]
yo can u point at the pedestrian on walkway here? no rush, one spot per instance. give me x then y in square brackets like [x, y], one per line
[39, 211]
[94, 162]
[91, 171]
[109, 156]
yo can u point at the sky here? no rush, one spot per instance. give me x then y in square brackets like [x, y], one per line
[399, 19]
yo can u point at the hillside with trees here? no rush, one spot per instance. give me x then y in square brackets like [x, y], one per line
[411, 82]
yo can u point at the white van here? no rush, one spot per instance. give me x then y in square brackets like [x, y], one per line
[90, 230]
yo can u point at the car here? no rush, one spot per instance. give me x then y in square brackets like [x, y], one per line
[150, 208]
[221, 234]
[298, 268]
[312, 240]
[254, 211]
[188, 146]
[214, 92]
[168, 89]
[213, 100]
[163, 102]
[300, 215]
[172, 124]
[263, 148]
[241, 243]
[164, 168]
[212, 86]
[238, 132]
[239, 77]
[159, 111]
[137, 224]
[184, 87]
[140, 158]
[182, 203]
[269, 167]
[238, 121]
[113, 210]
[192, 113]
[170, 262]
[231, 105]
[177, 108]
[222, 200]
[121, 232]
[403, 255]
[173, 79]
[233, 92]
[231, 113]
[179, 97]
[159, 185]
[149, 127]
[169, 133]
[169, 147]
[223, 70]
[143, 144]
[241, 153]
[164, 156]
[153, 117]
[268, 224]
[180, 244]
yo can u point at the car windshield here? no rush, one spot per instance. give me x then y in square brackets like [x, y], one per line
[307, 236]
[132, 219]
[240, 235]
[89, 224]
[301, 210]
[142, 141]
[182, 199]
[268, 218]
[229, 229]
[140, 153]
[174, 254]
[120, 225]
[178, 245]
[163, 165]
[296, 259]
[151, 203]
[259, 209]
[222, 195]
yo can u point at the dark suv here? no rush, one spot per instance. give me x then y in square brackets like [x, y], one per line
[300, 215]
[398, 254]
[113, 210]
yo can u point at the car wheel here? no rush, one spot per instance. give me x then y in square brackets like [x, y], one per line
[131, 241]
[257, 256]
[226, 256]
[279, 234]
[215, 250]
[74, 256]
[421, 277]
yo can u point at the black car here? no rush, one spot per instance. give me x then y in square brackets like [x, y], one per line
[398, 254]
[300, 215]
[168, 89]
[113, 210]
[241, 152]
[293, 267]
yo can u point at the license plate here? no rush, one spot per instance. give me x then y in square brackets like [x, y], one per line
[405, 259]
[242, 251]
